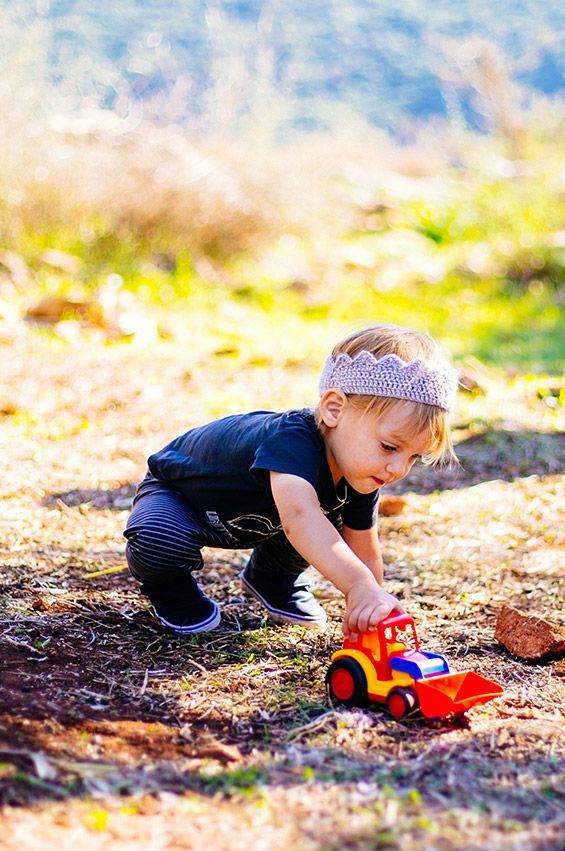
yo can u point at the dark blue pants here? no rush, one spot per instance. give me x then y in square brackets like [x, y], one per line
[164, 539]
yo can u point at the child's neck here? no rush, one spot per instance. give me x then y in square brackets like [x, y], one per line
[334, 469]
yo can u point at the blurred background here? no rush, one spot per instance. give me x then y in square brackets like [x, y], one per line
[276, 169]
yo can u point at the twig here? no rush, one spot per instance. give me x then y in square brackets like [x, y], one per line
[316, 724]
[88, 693]
[20, 644]
[197, 665]
[145, 681]
[95, 573]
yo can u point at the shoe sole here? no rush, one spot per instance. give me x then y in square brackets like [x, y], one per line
[277, 614]
[204, 626]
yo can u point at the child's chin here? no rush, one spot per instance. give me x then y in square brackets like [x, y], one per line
[364, 486]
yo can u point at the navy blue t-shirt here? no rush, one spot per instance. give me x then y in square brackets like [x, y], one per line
[222, 469]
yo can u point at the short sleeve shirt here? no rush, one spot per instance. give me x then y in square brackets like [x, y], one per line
[222, 469]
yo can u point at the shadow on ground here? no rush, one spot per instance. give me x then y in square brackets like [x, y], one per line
[114, 499]
[505, 455]
[120, 741]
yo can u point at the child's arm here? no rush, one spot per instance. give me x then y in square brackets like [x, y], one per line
[365, 544]
[319, 542]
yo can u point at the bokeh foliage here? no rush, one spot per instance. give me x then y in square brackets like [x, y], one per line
[457, 231]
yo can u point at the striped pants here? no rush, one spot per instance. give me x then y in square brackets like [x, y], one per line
[165, 537]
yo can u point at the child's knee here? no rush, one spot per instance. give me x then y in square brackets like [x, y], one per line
[149, 553]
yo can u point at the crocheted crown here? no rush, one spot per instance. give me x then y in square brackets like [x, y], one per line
[390, 376]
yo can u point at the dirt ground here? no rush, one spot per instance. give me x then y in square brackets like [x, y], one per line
[115, 734]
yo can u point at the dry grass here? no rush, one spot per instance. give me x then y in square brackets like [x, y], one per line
[144, 173]
[116, 734]
[150, 185]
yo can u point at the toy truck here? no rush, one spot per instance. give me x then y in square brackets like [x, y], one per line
[379, 666]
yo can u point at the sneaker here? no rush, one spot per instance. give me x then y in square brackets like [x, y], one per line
[286, 597]
[182, 606]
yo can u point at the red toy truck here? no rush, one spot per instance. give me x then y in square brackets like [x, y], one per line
[379, 666]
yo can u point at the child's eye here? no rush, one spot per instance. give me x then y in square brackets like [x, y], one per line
[388, 448]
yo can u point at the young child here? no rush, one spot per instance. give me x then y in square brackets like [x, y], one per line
[300, 488]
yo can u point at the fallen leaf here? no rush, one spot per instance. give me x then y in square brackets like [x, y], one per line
[61, 260]
[208, 746]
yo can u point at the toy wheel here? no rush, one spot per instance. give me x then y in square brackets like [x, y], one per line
[401, 702]
[346, 682]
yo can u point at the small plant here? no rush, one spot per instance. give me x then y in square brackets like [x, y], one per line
[239, 781]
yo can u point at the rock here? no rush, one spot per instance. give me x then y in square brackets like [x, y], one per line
[390, 505]
[527, 636]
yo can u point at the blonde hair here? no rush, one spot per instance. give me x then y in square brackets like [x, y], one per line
[408, 344]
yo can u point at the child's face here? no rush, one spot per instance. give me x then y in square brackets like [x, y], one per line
[367, 450]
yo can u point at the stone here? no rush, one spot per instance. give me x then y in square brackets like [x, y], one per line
[390, 505]
[528, 636]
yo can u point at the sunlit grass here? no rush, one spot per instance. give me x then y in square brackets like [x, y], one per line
[520, 330]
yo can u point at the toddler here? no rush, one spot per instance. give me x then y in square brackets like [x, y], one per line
[300, 488]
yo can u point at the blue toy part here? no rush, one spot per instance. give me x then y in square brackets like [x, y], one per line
[419, 664]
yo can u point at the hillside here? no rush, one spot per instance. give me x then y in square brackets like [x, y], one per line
[386, 62]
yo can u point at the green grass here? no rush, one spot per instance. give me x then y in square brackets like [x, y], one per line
[517, 328]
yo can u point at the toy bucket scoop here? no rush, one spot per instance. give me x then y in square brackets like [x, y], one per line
[454, 693]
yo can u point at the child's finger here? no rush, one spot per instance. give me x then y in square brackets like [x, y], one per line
[355, 622]
[378, 616]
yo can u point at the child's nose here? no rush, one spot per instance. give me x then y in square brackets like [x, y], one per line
[398, 466]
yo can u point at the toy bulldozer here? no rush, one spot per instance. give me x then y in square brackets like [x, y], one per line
[379, 666]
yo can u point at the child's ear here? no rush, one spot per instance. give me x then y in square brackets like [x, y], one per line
[332, 404]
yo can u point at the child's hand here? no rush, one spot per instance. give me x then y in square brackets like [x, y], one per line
[367, 604]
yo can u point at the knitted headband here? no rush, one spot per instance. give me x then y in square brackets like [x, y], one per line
[390, 376]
